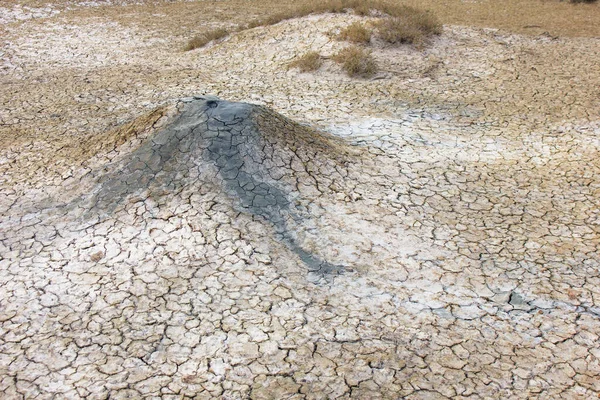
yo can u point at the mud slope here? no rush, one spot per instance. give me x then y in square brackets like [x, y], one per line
[256, 161]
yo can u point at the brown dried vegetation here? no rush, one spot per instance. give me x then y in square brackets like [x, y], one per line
[356, 61]
[311, 61]
[205, 38]
[414, 27]
[355, 33]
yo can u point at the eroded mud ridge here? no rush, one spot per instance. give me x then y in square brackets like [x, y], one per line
[233, 252]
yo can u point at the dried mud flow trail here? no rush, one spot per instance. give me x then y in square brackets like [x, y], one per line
[431, 233]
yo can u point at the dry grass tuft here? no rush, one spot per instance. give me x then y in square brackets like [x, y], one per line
[356, 61]
[355, 33]
[311, 61]
[414, 27]
[205, 38]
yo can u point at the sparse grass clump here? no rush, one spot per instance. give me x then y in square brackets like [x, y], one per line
[413, 28]
[205, 38]
[356, 61]
[355, 33]
[311, 61]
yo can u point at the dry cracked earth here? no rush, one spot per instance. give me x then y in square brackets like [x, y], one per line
[210, 224]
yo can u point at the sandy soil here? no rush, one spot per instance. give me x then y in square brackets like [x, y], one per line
[468, 225]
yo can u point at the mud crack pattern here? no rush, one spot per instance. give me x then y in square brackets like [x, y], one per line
[440, 240]
[206, 263]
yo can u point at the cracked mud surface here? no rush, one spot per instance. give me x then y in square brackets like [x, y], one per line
[430, 233]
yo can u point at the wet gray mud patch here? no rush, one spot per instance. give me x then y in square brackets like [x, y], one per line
[244, 149]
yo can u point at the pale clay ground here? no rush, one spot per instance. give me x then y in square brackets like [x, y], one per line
[462, 203]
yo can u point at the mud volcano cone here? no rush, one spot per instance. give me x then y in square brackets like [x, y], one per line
[265, 163]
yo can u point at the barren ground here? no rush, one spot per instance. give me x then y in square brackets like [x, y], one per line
[453, 203]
